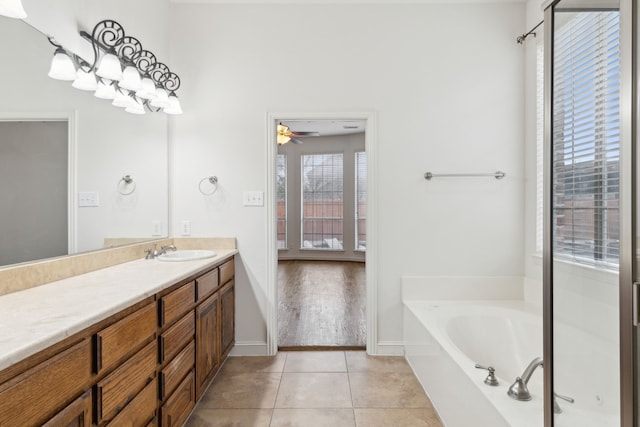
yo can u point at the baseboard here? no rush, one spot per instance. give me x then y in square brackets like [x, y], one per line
[390, 348]
[249, 348]
[322, 348]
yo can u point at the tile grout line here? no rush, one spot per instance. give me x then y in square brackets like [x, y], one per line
[273, 410]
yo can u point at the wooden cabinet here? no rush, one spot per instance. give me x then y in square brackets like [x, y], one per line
[227, 315]
[76, 414]
[144, 366]
[39, 393]
[207, 342]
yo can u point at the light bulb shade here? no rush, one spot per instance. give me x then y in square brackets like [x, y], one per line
[122, 99]
[148, 90]
[174, 105]
[12, 9]
[162, 98]
[130, 79]
[106, 90]
[85, 80]
[62, 67]
[110, 67]
[135, 108]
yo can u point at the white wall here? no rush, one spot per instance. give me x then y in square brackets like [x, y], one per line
[447, 84]
[109, 142]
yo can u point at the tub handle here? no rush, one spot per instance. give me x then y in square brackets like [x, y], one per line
[491, 378]
[556, 408]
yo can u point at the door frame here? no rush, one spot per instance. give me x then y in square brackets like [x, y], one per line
[70, 118]
[272, 245]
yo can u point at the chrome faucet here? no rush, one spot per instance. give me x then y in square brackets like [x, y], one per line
[152, 253]
[165, 248]
[518, 389]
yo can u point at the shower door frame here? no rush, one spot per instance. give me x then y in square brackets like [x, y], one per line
[629, 116]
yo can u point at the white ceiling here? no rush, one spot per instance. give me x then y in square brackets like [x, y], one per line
[326, 127]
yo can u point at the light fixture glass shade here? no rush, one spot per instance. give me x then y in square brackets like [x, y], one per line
[85, 80]
[162, 98]
[106, 90]
[62, 67]
[174, 105]
[130, 79]
[110, 67]
[136, 107]
[148, 90]
[123, 99]
[12, 9]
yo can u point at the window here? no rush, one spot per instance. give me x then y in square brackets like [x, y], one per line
[322, 200]
[539, 144]
[586, 136]
[281, 200]
[361, 201]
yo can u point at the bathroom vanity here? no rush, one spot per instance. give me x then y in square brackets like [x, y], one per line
[133, 344]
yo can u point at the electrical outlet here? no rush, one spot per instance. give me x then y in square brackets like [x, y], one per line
[186, 228]
[156, 227]
[88, 198]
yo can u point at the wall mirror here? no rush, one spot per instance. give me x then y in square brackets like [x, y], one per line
[106, 145]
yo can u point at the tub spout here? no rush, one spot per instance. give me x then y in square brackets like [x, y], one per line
[518, 389]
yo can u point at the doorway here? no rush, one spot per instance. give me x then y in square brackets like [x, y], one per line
[306, 236]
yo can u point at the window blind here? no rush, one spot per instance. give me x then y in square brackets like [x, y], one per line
[281, 200]
[586, 137]
[361, 201]
[322, 201]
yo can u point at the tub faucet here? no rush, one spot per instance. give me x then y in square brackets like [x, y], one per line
[518, 389]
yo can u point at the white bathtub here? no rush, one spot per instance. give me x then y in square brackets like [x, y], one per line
[445, 339]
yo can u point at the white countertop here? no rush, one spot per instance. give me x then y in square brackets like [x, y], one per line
[36, 318]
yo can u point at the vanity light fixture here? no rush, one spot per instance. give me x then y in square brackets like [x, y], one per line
[12, 9]
[121, 71]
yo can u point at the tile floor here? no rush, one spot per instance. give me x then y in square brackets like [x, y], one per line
[336, 389]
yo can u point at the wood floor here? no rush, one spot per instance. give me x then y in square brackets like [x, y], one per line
[321, 304]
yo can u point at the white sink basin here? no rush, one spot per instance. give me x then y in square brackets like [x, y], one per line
[187, 255]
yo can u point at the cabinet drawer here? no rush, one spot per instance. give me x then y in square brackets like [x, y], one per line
[124, 337]
[174, 338]
[76, 414]
[34, 396]
[141, 409]
[175, 371]
[123, 384]
[207, 284]
[177, 408]
[227, 271]
[175, 304]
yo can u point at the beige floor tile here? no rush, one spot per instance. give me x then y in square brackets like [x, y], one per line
[387, 390]
[230, 418]
[314, 390]
[397, 418]
[315, 361]
[313, 418]
[360, 361]
[247, 364]
[242, 391]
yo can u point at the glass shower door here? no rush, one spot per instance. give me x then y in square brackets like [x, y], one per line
[582, 348]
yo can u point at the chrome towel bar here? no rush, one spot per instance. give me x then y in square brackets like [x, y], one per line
[496, 175]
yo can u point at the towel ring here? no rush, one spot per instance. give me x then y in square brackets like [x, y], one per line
[213, 180]
[128, 181]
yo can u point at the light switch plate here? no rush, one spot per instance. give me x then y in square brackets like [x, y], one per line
[156, 226]
[88, 199]
[253, 198]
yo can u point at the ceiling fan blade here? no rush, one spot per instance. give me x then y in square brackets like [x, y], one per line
[294, 133]
[296, 140]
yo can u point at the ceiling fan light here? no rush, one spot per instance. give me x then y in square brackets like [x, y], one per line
[12, 9]
[131, 79]
[174, 107]
[106, 90]
[62, 67]
[283, 139]
[110, 67]
[85, 80]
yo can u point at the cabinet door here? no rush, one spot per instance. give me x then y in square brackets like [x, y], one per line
[177, 408]
[36, 395]
[207, 342]
[227, 314]
[76, 414]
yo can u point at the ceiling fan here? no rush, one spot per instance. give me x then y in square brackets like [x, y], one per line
[285, 135]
